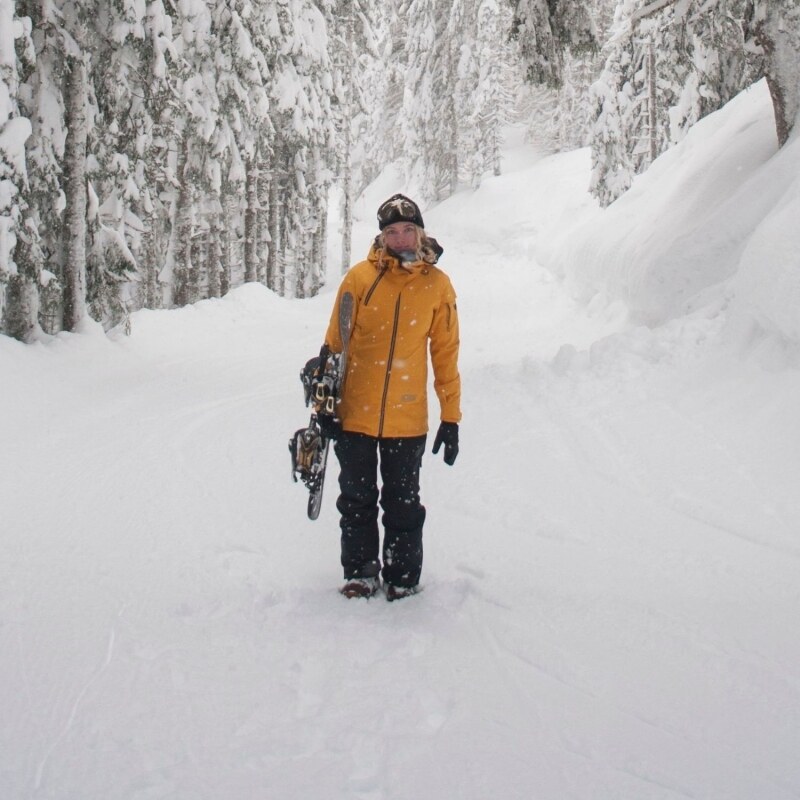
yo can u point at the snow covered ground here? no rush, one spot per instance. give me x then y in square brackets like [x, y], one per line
[612, 566]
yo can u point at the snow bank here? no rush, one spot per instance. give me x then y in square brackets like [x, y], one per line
[717, 206]
[767, 286]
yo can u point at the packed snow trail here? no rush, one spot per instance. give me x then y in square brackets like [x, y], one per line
[595, 622]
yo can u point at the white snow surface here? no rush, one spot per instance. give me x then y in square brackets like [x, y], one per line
[612, 567]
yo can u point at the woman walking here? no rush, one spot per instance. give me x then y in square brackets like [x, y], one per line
[405, 307]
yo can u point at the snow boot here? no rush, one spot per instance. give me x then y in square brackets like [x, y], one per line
[399, 592]
[361, 587]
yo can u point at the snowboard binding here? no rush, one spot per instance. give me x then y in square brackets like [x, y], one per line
[309, 446]
[322, 379]
[309, 449]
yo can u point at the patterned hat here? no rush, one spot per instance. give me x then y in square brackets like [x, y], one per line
[398, 208]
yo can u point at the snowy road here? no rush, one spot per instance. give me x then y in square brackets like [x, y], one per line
[610, 586]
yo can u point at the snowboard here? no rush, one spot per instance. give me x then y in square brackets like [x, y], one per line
[309, 446]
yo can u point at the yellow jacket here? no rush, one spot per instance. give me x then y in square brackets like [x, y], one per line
[398, 310]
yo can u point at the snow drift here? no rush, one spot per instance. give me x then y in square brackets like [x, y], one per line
[711, 217]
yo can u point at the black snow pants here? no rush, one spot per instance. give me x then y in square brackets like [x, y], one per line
[403, 514]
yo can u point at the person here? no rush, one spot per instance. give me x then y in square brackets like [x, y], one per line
[404, 306]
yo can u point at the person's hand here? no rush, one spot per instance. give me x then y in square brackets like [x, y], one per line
[329, 426]
[447, 435]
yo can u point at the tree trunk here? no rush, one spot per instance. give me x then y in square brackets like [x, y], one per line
[652, 100]
[76, 118]
[214, 257]
[22, 308]
[452, 166]
[263, 222]
[347, 199]
[316, 252]
[251, 223]
[197, 267]
[347, 170]
[275, 276]
[23, 303]
[322, 234]
[228, 234]
[289, 279]
[183, 225]
[781, 46]
[151, 288]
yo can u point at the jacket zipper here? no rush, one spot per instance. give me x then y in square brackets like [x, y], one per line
[372, 288]
[389, 364]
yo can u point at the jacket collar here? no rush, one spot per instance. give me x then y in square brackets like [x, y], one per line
[384, 259]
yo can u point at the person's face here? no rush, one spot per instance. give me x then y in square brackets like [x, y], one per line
[401, 236]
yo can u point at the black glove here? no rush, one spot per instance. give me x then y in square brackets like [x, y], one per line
[329, 426]
[447, 435]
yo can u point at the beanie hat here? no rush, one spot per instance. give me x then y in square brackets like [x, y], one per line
[398, 208]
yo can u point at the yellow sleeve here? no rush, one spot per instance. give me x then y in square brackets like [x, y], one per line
[444, 347]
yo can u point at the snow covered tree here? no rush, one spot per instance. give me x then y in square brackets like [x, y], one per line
[128, 98]
[561, 117]
[39, 252]
[347, 103]
[126, 46]
[613, 166]
[424, 97]
[545, 29]
[157, 58]
[668, 64]
[83, 92]
[451, 72]
[730, 44]
[242, 76]
[19, 303]
[353, 26]
[707, 59]
[301, 92]
[775, 30]
[194, 122]
[77, 123]
[489, 102]
[380, 125]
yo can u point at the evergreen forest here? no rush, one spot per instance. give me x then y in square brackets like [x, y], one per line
[154, 153]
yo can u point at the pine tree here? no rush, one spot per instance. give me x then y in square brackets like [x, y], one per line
[77, 124]
[668, 65]
[428, 125]
[157, 58]
[18, 270]
[242, 75]
[559, 112]
[192, 121]
[38, 252]
[301, 114]
[545, 29]
[355, 50]
[121, 143]
[490, 102]
[613, 165]
[380, 123]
